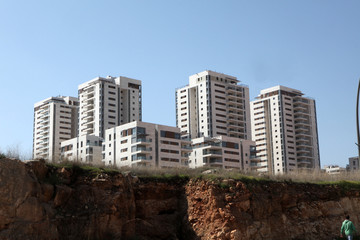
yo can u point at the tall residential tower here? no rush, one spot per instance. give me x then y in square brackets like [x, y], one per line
[108, 102]
[213, 104]
[55, 120]
[284, 127]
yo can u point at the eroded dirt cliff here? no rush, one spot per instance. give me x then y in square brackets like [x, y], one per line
[41, 202]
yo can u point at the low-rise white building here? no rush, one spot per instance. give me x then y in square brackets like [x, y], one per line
[334, 169]
[145, 144]
[224, 152]
[84, 149]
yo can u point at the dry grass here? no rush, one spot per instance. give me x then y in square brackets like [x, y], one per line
[316, 177]
[15, 151]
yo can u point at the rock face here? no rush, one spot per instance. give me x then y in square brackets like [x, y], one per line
[40, 202]
[269, 211]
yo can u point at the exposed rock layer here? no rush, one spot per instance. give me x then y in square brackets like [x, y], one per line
[40, 202]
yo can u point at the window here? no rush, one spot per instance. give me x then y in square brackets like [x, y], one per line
[168, 134]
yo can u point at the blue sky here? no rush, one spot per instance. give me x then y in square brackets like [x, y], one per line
[48, 48]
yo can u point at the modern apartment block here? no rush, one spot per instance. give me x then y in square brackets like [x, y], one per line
[284, 127]
[213, 104]
[85, 149]
[55, 120]
[354, 164]
[108, 102]
[223, 152]
[145, 144]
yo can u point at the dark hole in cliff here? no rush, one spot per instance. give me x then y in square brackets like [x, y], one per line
[167, 211]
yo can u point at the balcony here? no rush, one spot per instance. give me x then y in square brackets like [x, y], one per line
[45, 115]
[215, 161]
[301, 123]
[140, 158]
[241, 126]
[186, 148]
[302, 127]
[252, 164]
[144, 150]
[44, 127]
[304, 156]
[235, 108]
[88, 97]
[303, 133]
[88, 91]
[141, 140]
[303, 150]
[235, 119]
[232, 91]
[300, 112]
[89, 106]
[185, 156]
[44, 141]
[89, 118]
[234, 113]
[237, 135]
[88, 112]
[211, 152]
[232, 95]
[301, 101]
[232, 130]
[298, 107]
[235, 101]
[87, 130]
[43, 110]
[44, 133]
[302, 117]
[232, 119]
[43, 122]
[304, 161]
[207, 145]
[44, 148]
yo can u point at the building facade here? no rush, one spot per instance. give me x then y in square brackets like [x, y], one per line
[284, 127]
[213, 104]
[108, 102]
[85, 149]
[353, 164]
[334, 169]
[145, 144]
[223, 152]
[55, 120]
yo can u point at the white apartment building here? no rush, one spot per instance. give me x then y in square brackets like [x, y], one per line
[108, 102]
[145, 144]
[223, 152]
[84, 149]
[213, 104]
[354, 164]
[334, 169]
[284, 127]
[55, 120]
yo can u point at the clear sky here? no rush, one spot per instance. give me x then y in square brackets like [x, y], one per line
[48, 48]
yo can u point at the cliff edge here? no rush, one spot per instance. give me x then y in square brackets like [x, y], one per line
[38, 201]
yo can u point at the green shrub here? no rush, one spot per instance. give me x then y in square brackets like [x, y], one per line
[2, 156]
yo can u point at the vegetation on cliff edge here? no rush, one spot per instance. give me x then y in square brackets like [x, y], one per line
[346, 181]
